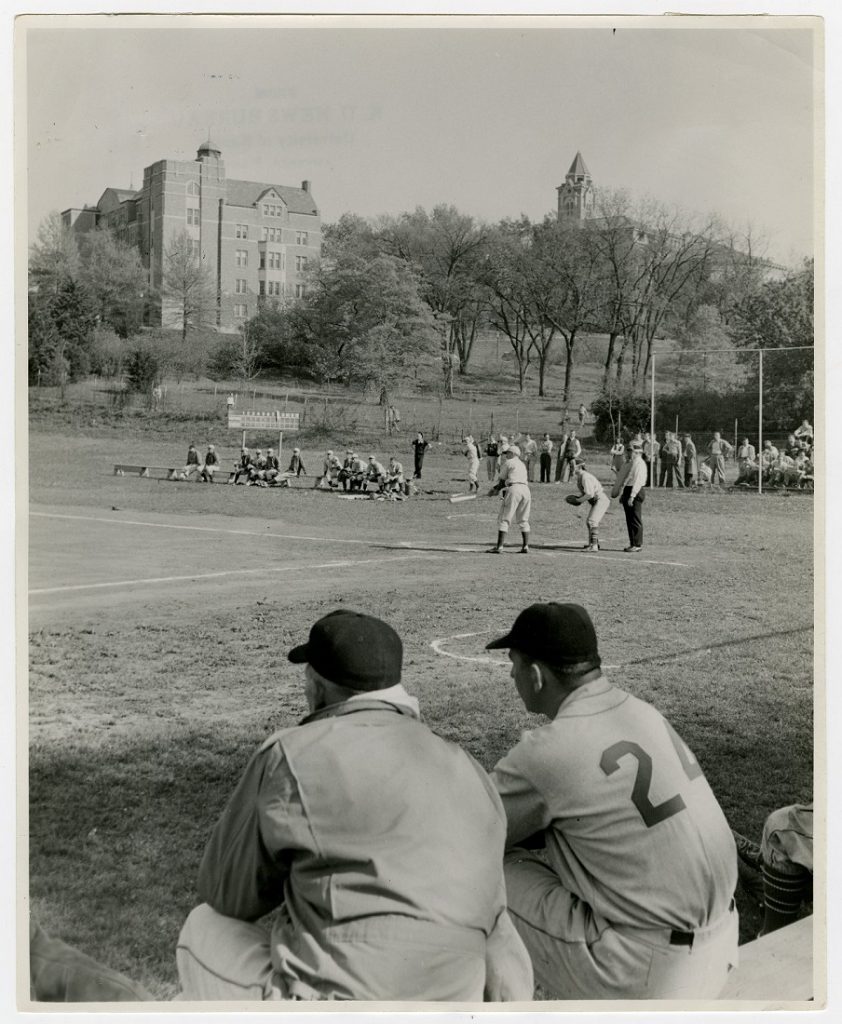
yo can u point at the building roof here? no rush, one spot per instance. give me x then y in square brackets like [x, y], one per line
[578, 166]
[209, 147]
[246, 193]
[123, 194]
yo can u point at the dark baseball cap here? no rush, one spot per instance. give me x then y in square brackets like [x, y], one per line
[558, 634]
[353, 650]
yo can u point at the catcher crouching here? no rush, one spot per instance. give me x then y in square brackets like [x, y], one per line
[590, 491]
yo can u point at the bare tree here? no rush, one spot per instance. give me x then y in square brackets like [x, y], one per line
[53, 256]
[188, 293]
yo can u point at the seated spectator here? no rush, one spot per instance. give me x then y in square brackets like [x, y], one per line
[804, 432]
[358, 472]
[192, 464]
[345, 472]
[243, 465]
[767, 457]
[210, 466]
[375, 473]
[330, 471]
[257, 470]
[793, 446]
[394, 477]
[296, 466]
[378, 845]
[273, 468]
[746, 455]
[784, 859]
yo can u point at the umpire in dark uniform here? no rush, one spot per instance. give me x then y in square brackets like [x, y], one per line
[629, 486]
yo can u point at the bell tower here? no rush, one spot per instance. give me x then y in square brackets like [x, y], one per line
[576, 195]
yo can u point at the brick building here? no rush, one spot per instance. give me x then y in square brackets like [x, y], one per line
[256, 239]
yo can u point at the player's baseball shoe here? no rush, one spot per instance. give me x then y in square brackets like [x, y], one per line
[494, 551]
[632, 547]
[523, 551]
[591, 547]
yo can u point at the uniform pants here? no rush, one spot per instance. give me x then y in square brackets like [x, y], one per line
[546, 467]
[576, 954]
[598, 508]
[634, 516]
[517, 502]
[222, 959]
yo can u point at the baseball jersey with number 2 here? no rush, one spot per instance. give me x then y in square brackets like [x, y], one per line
[631, 825]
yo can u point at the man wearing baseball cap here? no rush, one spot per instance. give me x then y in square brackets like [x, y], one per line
[632, 897]
[378, 845]
[629, 485]
[517, 499]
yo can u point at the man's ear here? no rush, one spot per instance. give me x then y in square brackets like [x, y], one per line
[537, 677]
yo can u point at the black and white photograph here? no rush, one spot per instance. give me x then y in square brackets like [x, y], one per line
[420, 480]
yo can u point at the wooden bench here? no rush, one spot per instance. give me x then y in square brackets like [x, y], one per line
[775, 968]
[121, 468]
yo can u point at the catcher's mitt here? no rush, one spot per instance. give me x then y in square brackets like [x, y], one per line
[572, 499]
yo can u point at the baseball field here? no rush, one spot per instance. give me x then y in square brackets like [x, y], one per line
[160, 615]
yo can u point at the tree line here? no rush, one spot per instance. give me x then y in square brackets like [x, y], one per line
[393, 291]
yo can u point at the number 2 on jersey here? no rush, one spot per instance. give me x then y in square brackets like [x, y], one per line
[651, 813]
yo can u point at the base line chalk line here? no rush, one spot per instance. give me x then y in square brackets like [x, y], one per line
[482, 659]
[230, 572]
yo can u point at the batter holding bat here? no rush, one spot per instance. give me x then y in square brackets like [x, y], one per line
[590, 491]
[517, 499]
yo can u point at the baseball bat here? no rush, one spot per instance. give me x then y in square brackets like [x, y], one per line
[454, 499]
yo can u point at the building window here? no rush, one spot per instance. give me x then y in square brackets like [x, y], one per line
[242, 258]
[192, 188]
[192, 215]
[240, 310]
[300, 291]
[240, 286]
[261, 287]
[242, 231]
[195, 247]
[273, 287]
[301, 237]
[300, 263]
[264, 233]
[262, 258]
[275, 260]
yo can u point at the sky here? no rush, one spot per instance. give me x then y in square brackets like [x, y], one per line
[384, 119]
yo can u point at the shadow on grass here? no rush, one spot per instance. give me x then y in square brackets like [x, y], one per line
[116, 835]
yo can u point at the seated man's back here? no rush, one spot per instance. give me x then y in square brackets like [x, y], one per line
[380, 843]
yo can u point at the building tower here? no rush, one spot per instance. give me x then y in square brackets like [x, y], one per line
[576, 195]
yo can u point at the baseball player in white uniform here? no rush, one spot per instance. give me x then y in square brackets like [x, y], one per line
[472, 455]
[590, 490]
[517, 499]
[634, 894]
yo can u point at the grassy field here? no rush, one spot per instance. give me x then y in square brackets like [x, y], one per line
[161, 614]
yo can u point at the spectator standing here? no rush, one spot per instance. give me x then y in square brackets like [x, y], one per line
[629, 486]
[618, 456]
[572, 451]
[650, 458]
[530, 455]
[546, 458]
[559, 458]
[719, 450]
[229, 402]
[492, 457]
[420, 446]
[690, 464]
[583, 414]
[670, 459]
